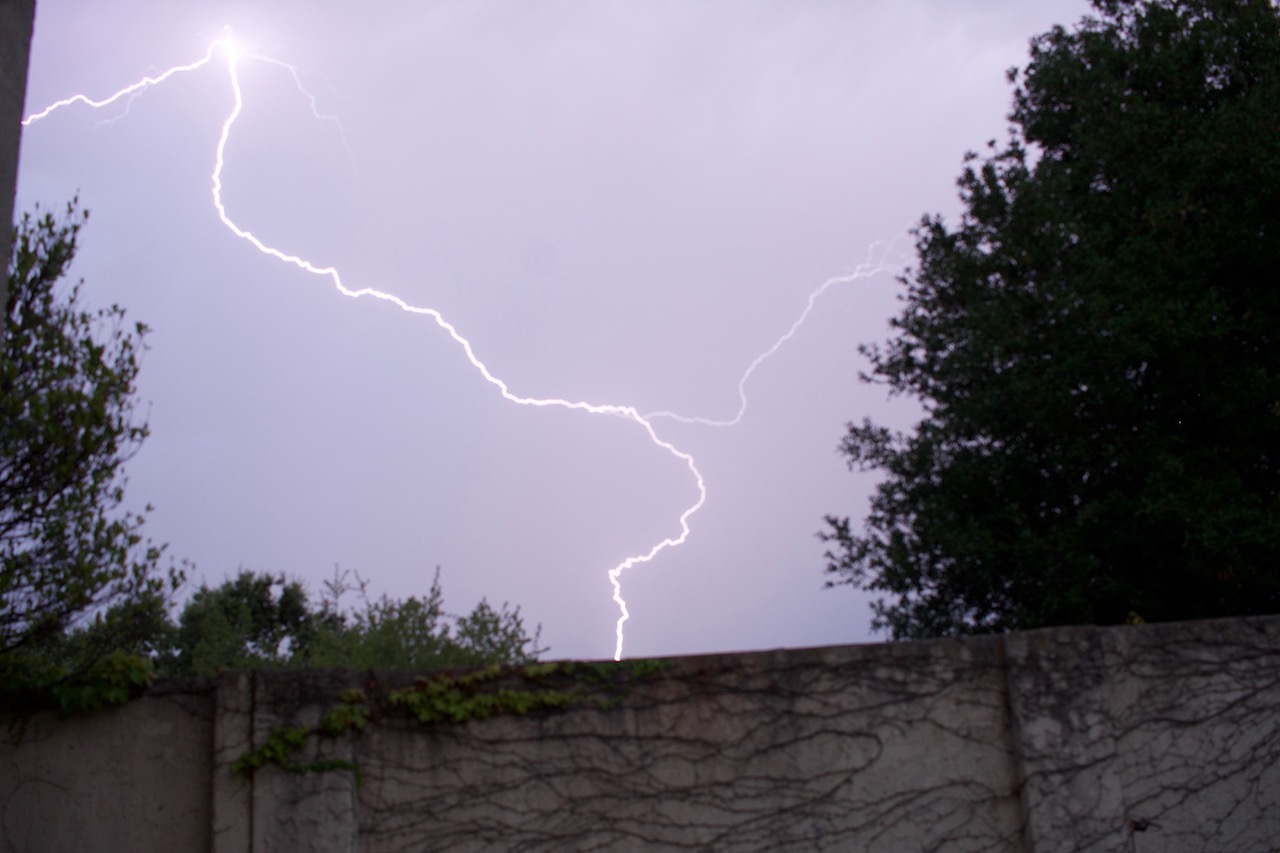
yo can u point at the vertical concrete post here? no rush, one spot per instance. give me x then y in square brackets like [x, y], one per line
[232, 735]
[17, 18]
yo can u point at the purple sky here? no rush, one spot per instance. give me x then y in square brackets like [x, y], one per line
[618, 203]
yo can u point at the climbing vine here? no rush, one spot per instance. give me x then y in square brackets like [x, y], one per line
[34, 684]
[453, 698]
[456, 699]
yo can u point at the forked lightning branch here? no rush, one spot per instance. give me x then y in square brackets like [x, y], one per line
[232, 54]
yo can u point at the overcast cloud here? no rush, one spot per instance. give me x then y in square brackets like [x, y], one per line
[619, 203]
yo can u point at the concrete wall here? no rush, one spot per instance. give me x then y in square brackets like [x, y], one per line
[1163, 737]
[17, 18]
[139, 777]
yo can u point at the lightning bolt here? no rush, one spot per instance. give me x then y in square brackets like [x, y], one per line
[135, 89]
[233, 53]
[877, 263]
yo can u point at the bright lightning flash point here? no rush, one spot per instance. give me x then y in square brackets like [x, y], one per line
[233, 53]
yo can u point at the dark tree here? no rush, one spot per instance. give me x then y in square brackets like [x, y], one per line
[71, 561]
[417, 632]
[268, 621]
[1096, 346]
[250, 621]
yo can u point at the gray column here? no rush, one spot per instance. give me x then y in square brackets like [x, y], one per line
[16, 20]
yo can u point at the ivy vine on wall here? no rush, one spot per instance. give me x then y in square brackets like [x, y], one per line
[454, 698]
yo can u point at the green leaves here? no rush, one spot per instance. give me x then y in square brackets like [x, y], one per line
[454, 698]
[417, 633]
[1094, 346]
[33, 683]
[112, 681]
[282, 744]
[67, 551]
[351, 712]
[451, 698]
[250, 621]
[83, 601]
[262, 621]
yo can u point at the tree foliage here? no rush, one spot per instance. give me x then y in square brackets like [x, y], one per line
[85, 615]
[68, 552]
[250, 621]
[1095, 346]
[268, 621]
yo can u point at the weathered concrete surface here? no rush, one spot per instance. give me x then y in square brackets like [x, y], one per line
[135, 778]
[865, 747]
[1163, 737]
[1175, 727]
[232, 807]
[313, 812]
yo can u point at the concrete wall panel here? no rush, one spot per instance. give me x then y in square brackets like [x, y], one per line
[135, 778]
[1163, 737]
[865, 747]
[1159, 737]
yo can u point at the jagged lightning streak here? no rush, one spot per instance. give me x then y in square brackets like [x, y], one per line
[869, 268]
[134, 89]
[232, 52]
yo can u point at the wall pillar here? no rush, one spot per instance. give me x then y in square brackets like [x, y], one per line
[232, 736]
[17, 18]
